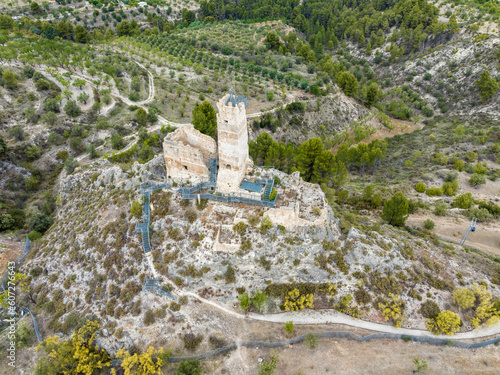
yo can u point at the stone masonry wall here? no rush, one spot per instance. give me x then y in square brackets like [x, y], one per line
[186, 152]
[232, 135]
[184, 163]
[188, 135]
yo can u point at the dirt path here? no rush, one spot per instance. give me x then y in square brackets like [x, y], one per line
[333, 316]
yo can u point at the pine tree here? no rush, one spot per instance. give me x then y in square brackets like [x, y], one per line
[35, 8]
[371, 94]
[368, 50]
[3, 146]
[141, 116]
[81, 35]
[323, 167]
[453, 24]
[348, 83]
[307, 154]
[487, 85]
[395, 210]
[204, 118]
[340, 175]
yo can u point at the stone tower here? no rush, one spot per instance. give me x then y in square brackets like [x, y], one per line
[232, 138]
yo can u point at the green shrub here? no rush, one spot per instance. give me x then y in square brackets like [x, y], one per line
[191, 215]
[23, 335]
[174, 306]
[289, 327]
[420, 187]
[487, 85]
[136, 209]
[34, 235]
[175, 234]
[311, 341]
[62, 155]
[463, 201]
[40, 223]
[477, 179]
[259, 300]
[458, 164]
[429, 224]
[230, 275]
[216, 342]
[117, 142]
[479, 168]
[342, 196]
[429, 309]
[481, 214]
[434, 192]
[33, 152]
[265, 224]
[362, 296]
[191, 341]
[70, 165]
[189, 367]
[450, 188]
[244, 301]
[440, 208]
[240, 228]
[471, 156]
[72, 109]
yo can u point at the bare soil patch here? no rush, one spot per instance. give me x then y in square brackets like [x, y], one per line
[381, 132]
[9, 251]
[400, 127]
[342, 356]
[486, 237]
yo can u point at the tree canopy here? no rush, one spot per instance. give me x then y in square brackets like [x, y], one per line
[395, 210]
[204, 118]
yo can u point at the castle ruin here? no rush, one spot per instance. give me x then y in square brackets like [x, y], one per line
[188, 152]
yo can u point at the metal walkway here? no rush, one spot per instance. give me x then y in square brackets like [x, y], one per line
[150, 284]
[269, 187]
[212, 165]
[155, 286]
[143, 226]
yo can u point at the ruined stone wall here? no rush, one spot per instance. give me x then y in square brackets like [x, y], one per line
[184, 163]
[232, 134]
[188, 135]
[186, 152]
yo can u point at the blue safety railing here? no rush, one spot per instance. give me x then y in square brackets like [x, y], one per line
[269, 189]
[24, 309]
[37, 332]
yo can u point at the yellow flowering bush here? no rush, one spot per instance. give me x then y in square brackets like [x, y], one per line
[294, 301]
